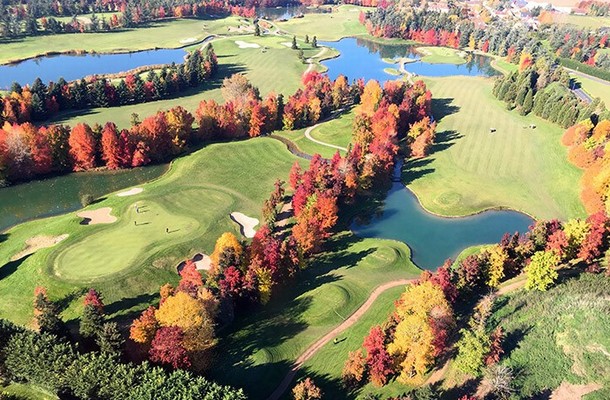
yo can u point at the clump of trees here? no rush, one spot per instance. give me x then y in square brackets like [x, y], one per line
[40, 101]
[587, 149]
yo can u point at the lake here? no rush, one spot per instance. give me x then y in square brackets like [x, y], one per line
[61, 194]
[72, 67]
[363, 59]
[433, 239]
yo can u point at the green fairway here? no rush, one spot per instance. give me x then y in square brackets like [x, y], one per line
[196, 196]
[253, 62]
[585, 21]
[163, 34]
[471, 169]
[504, 66]
[342, 22]
[257, 351]
[438, 55]
[594, 89]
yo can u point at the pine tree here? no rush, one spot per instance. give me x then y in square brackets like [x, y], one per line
[528, 103]
[306, 38]
[257, 29]
[46, 313]
[109, 338]
[314, 42]
[294, 43]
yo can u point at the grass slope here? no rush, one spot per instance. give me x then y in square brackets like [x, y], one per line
[441, 55]
[593, 88]
[559, 335]
[252, 62]
[196, 196]
[258, 350]
[163, 34]
[472, 170]
[342, 22]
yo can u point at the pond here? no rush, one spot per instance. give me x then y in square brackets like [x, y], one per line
[72, 66]
[287, 12]
[59, 195]
[363, 59]
[434, 239]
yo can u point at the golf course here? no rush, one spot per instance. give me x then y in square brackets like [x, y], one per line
[278, 312]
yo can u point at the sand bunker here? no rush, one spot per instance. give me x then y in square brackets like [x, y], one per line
[36, 243]
[202, 262]
[188, 40]
[246, 223]
[246, 45]
[130, 192]
[241, 29]
[99, 216]
[287, 44]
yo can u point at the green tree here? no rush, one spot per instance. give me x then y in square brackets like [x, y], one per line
[294, 43]
[472, 349]
[541, 271]
[528, 103]
[46, 314]
[257, 29]
[306, 38]
[314, 42]
[109, 338]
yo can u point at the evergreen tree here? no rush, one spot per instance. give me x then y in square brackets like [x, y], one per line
[16, 87]
[109, 338]
[257, 29]
[39, 111]
[122, 92]
[521, 95]
[528, 103]
[98, 93]
[91, 322]
[314, 42]
[294, 43]
[46, 313]
[306, 38]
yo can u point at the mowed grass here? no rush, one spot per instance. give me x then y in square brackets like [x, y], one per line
[584, 21]
[471, 169]
[163, 34]
[594, 88]
[440, 55]
[128, 263]
[337, 131]
[342, 22]
[278, 69]
[559, 335]
[27, 391]
[325, 367]
[258, 350]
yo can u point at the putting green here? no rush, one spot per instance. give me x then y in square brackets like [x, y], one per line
[118, 247]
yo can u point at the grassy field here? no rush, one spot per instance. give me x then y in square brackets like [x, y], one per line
[472, 170]
[559, 335]
[26, 391]
[326, 366]
[584, 21]
[337, 131]
[253, 62]
[504, 66]
[342, 22]
[593, 88]
[257, 351]
[128, 263]
[440, 55]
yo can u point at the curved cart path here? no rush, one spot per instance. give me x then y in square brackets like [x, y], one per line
[351, 320]
[308, 136]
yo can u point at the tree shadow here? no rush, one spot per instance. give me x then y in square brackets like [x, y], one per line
[414, 169]
[12, 266]
[445, 139]
[65, 301]
[128, 303]
[4, 237]
[512, 340]
[442, 107]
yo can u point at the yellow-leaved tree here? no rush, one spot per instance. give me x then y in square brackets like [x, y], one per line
[227, 245]
[497, 262]
[423, 312]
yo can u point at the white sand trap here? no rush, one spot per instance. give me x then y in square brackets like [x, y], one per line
[36, 243]
[188, 40]
[287, 44]
[246, 45]
[130, 192]
[99, 216]
[202, 261]
[246, 223]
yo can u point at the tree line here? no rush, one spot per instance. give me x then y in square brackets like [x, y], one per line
[586, 142]
[541, 87]
[423, 327]
[40, 101]
[243, 275]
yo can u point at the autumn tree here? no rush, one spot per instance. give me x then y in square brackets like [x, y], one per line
[354, 369]
[306, 390]
[190, 279]
[144, 328]
[226, 245]
[46, 314]
[541, 271]
[110, 146]
[82, 147]
[167, 348]
[424, 314]
[378, 360]
[497, 259]
[93, 315]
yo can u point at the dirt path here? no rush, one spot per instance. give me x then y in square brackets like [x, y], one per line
[569, 391]
[351, 320]
[308, 136]
[310, 60]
